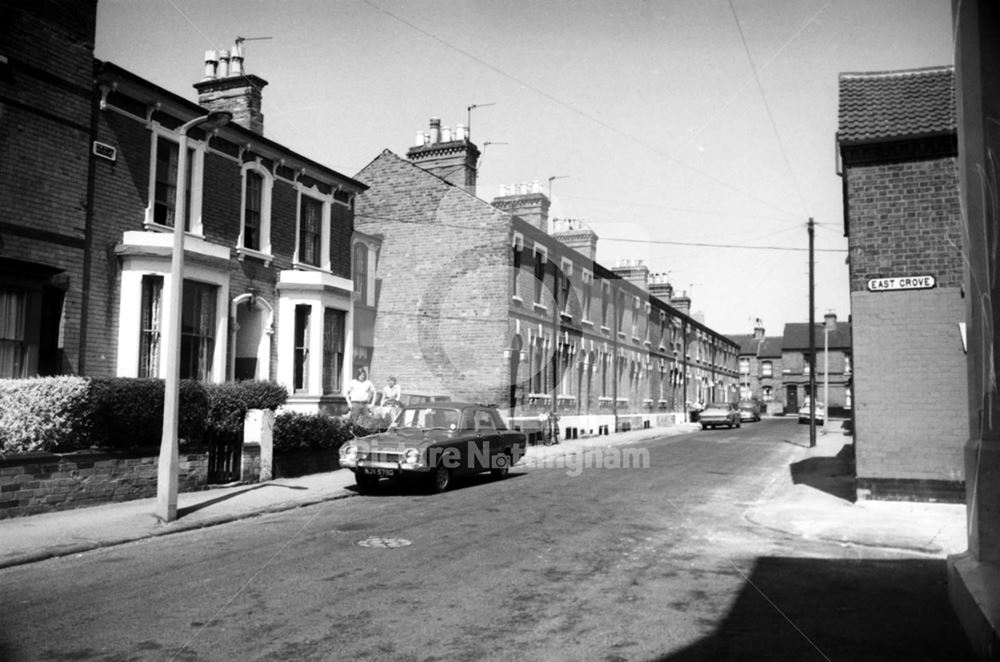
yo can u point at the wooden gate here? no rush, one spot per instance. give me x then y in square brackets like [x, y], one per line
[225, 456]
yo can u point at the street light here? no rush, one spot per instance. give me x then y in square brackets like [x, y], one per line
[166, 479]
[829, 324]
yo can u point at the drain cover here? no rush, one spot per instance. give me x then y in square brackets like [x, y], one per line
[383, 542]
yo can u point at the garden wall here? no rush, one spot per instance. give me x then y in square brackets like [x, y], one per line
[42, 482]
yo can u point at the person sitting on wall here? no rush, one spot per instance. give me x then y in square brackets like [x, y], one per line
[360, 394]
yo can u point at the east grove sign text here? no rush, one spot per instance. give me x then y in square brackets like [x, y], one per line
[901, 283]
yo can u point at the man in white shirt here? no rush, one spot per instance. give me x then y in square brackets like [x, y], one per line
[360, 394]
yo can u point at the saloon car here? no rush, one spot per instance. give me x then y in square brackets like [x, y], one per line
[749, 411]
[434, 442]
[719, 413]
[820, 413]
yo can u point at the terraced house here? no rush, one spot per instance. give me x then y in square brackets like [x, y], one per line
[85, 267]
[492, 302]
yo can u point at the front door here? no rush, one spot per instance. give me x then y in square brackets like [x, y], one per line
[791, 399]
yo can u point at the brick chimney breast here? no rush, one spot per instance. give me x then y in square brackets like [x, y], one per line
[225, 86]
[450, 155]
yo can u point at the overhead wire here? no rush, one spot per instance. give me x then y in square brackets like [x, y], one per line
[767, 107]
[609, 127]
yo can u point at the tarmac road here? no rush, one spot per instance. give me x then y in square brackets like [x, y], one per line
[641, 552]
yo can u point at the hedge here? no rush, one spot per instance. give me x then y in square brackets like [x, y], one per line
[228, 403]
[71, 413]
[298, 431]
[44, 414]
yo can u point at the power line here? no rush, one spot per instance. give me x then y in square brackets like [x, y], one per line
[767, 107]
[696, 244]
[576, 110]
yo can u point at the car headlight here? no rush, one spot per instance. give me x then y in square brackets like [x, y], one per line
[412, 456]
[351, 452]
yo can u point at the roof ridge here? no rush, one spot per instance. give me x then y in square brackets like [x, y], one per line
[900, 73]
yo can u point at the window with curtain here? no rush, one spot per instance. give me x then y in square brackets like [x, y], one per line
[165, 189]
[333, 350]
[197, 330]
[252, 210]
[149, 326]
[13, 309]
[310, 225]
[300, 374]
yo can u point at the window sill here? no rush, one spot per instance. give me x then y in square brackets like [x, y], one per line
[540, 307]
[586, 323]
[565, 316]
[605, 329]
[156, 227]
[243, 253]
[518, 300]
[302, 266]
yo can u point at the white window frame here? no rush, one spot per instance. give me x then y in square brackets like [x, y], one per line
[197, 165]
[587, 295]
[266, 186]
[325, 201]
[517, 246]
[134, 267]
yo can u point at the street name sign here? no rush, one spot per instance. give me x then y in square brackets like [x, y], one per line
[901, 283]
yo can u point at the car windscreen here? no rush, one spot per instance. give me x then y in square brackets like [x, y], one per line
[428, 418]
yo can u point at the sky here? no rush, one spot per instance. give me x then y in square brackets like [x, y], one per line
[696, 136]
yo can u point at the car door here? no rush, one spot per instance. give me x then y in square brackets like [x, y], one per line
[487, 438]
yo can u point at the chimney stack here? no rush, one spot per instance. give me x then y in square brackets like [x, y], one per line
[577, 235]
[452, 156]
[527, 202]
[660, 288]
[635, 272]
[758, 329]
[682, 303]
[227, 86]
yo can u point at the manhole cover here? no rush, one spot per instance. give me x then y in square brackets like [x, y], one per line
[383, 542]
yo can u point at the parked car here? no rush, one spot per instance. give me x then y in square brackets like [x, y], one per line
[719, 413]
[434, 442]
[820, 413]
[749, 411]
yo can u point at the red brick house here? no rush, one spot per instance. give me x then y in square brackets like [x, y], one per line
[46, 215]
[88, 224]
[759, 361]
[902, 216]
[486, 302]
[833, 369]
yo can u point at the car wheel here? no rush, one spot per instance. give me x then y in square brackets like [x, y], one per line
[704, 427]
[501, 466]
[366, 483]
[739, 423]
[440, 478]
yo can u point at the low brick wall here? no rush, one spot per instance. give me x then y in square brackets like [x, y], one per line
[44, 482]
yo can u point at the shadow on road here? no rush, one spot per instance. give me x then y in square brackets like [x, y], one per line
[834, 475]
[834, 609]
[187, 510]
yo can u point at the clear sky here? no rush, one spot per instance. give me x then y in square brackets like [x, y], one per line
[666, 123]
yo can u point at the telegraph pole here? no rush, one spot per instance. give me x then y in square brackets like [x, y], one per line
[812, 339]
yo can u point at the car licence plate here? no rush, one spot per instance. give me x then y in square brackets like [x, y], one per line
[380, 472]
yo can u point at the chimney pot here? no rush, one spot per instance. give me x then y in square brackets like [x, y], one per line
[446, 134]
[236, 60]
[420, 140]
[435, 131]
[211, 62]
[223, 64]
[461, 132]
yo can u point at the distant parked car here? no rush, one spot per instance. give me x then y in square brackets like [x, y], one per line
[719, 413]
[434, 442]
[749, 411]
[820, 413]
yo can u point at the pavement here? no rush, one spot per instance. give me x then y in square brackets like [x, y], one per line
[813, 500]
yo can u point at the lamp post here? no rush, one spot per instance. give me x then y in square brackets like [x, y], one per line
[166, 478]
[829, 324]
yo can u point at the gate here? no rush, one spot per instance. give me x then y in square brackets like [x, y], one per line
[225, 457]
